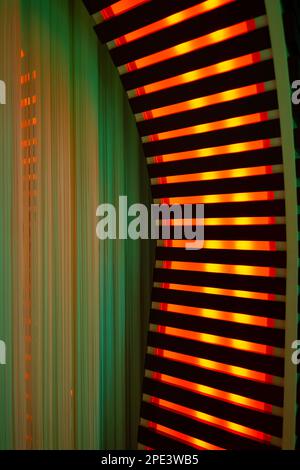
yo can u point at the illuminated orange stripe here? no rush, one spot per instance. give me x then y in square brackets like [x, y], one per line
[121, 7]
[179, 436]
[204, 101]
[214, 151]
[222, 198]
[25, 78]
[229, 245]
[212, 420]
[222, 174]
[28, 122]
[217, 366]
[30, 177]
[216, 314]
[172, 20]
[227, 292]
[213, 392]
[28, 142]
[244, 221]
[205, 72]
[222, 268]
[195, 44]
[29, 160]
[213, 221]
[232, 343]
[215, 126]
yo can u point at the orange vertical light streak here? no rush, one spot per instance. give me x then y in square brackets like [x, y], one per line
[172, 20]
[232, 343]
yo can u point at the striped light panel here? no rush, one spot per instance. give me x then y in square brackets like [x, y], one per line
[200, 79]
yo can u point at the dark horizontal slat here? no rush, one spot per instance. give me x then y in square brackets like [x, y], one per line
[249, 360]
[219, 112]
[194, 428]
[269, 156]
[226, 281]
[138, 17]
[255, 334]
[260, 131]
[264, 392]
[256, 73]
[229, 412]
[247, 257]
[193, 28]
[245, 44]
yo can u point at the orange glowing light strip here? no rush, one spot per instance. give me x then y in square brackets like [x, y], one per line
[29, 160]
[28, 122]
[172, 20]
[222, 174]
[216, 314]
[216, 37]
[179, 436]
[222, 268]
[215, 126]
[228, 245]
[121, 7]
[205, 72]
[210, 100]
[217, 366]
[212, 221]
[215, 151]
[212, 420]
[208, 338]
[222, 198]
[215, 393]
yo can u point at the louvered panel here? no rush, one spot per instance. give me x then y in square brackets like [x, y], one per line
[292, 34]
[201, 83]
